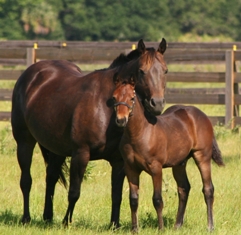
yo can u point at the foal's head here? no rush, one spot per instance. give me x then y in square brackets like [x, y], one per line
[124, 101]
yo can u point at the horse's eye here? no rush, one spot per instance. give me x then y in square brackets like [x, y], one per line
[141, 72]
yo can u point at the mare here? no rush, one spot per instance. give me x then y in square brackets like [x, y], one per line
[69, 114]
[152, 143]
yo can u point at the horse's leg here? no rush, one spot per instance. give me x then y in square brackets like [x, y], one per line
[117, 179]
[25, 147]
[183, 188]
[133, 179]
[204, 165]
[78, 165]
[53, 172]
[157, 195]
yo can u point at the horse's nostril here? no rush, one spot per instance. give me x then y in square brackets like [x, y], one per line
[153, 103]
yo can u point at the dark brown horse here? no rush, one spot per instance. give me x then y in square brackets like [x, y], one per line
[152, 143]
[68, 114]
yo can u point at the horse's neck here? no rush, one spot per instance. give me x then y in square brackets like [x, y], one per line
[137, 123]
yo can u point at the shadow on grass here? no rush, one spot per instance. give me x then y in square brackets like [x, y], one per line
[150, 221]
[8, 218]
[146, 221]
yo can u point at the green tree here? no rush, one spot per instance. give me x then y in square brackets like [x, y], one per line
[209, 17]
[9, 20]
[114, 20]
[27, 19]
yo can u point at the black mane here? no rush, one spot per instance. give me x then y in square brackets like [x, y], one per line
[123, 59]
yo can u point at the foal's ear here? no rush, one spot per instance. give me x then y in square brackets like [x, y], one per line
[141, 46]
[116, 79]
[162, 46]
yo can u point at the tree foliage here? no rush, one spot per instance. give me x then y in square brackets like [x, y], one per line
[122, 20]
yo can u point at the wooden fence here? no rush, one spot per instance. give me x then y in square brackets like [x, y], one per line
[27, 52]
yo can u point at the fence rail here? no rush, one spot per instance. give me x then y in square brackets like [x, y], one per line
[23, 52]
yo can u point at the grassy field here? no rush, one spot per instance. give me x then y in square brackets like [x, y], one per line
[92, 211]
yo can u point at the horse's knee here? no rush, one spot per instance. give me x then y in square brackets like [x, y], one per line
[26, 183]
[183, 192]
[208, 191]
[133, 203]
[73, 196]
[157, 202]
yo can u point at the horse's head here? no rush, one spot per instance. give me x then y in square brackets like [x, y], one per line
[149, 70]
[123, 100]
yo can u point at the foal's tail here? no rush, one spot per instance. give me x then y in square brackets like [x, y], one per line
[217, 156]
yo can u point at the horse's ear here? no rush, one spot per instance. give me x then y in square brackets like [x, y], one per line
[141, 46]
[116, 79]
[162, 47]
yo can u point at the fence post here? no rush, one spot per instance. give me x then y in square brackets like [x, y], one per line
[30, 56]
[229, 90]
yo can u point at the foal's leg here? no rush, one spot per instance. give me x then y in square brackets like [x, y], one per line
[133, 179]
[157, 196]
[204, 166]
[25, 148]
[117, 179]
[183, 188]
[78, 165]
[53, 172]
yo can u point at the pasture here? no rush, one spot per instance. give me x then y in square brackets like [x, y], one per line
[92, 211]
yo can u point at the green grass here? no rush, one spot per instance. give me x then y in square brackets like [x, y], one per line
[92, 211]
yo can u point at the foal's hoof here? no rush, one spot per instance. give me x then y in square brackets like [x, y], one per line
[210, 229]
[26, 220]
[134, 230]
[178, 226]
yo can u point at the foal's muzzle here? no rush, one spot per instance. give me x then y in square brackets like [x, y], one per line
[155, 106]
[121, 122]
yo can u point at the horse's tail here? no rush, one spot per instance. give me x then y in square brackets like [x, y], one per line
[63, 172]
[64, 168]
[217, 156]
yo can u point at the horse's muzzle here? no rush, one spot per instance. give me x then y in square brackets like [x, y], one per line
[121, 122]
[155, 106]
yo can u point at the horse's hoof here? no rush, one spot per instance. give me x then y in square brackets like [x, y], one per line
[114, 226]
[65, 223]
[210, 229]
[47, 218]
[25, 220]
[134, 230]
[178, 226]
[48, 221]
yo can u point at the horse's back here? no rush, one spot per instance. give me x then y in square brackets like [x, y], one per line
[187, 114]
[47, 76]
[192, 121]
[56, 104]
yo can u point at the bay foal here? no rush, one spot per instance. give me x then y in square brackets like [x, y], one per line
[151, 143]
